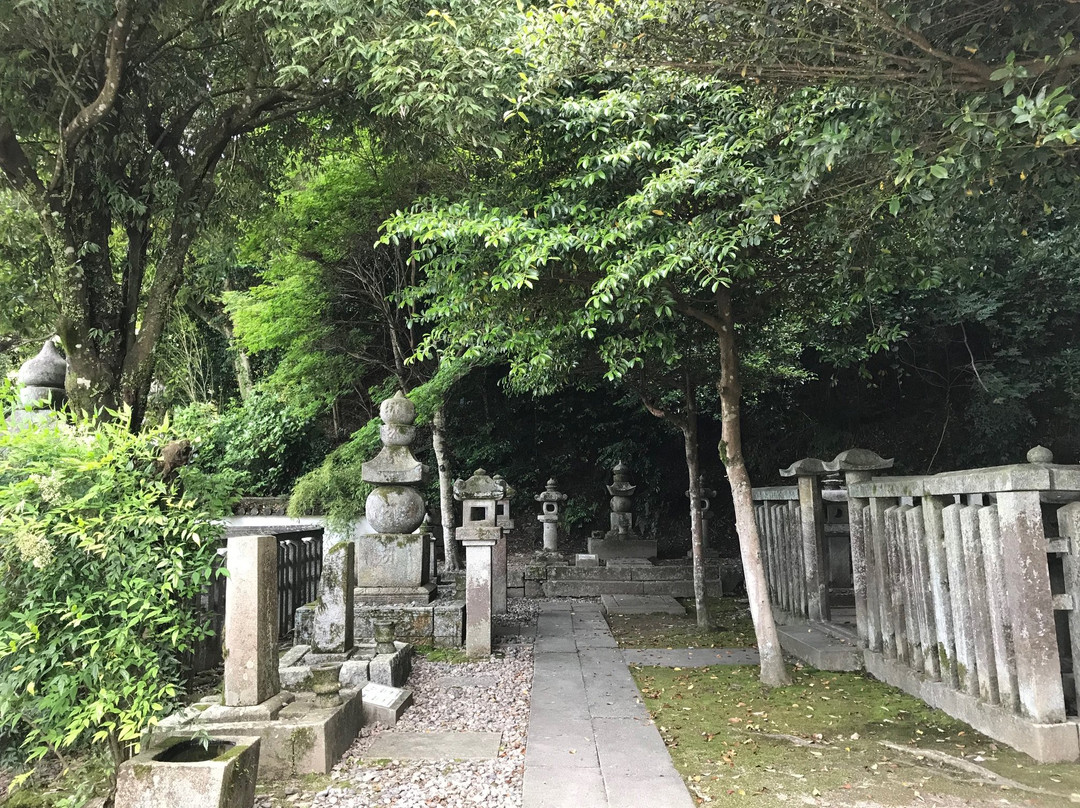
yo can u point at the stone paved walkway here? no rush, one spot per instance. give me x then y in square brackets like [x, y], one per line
[591, 743]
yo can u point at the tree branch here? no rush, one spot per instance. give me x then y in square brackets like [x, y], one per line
[15, 164]
[91, 114]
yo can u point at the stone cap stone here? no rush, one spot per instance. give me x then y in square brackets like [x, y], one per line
[480, 486]
[848, 460]
[508, 491]
[47, 369]
[550, 494]
[393, 465]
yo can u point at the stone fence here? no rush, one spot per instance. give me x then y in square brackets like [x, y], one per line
[964, 586]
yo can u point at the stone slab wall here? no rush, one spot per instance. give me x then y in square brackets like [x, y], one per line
[560, 579]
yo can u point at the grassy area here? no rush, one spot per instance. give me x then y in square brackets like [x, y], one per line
[455, 656]
[731, 618]
[834, 739]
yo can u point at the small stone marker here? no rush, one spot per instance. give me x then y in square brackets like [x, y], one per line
[385, 704]
[586, 560]
[251, 628]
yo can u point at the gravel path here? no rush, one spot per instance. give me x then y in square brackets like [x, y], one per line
[498, 703]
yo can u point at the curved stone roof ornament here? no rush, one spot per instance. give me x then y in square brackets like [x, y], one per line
[481, 486]
[41, 378]
[1040, 454]
[847, 460]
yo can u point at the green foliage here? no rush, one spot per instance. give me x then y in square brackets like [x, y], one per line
[260, 443]
[101, 561]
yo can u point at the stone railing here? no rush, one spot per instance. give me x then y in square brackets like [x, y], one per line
[964, 587]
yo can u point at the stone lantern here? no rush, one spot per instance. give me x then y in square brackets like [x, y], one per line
[704, 497]
[393, 563]
[622, 541]
[549, 500]
[479, 534]
[41, 385]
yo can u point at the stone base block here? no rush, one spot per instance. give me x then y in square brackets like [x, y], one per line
[393, 669]
[225, 781]
[622, 548]
[819, 649]
[303, 739]
[515, 591]
[1047, 743]
[391, 595]
[534, 589]
[385, 705]
[586, 560]
[267, 711]
[393, 560]
[438, 624]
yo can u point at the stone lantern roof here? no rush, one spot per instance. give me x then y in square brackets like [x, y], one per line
[481, 486]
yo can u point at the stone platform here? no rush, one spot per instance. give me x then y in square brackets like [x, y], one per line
[297, 736]
[440, 624]
[553, 578]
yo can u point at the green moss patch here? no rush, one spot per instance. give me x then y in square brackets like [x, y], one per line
[825, 740]
[454, 656]
[729, 617]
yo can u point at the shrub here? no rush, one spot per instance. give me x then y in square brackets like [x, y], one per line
[101, 561]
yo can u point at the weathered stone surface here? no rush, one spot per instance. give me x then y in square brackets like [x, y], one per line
[586, 573]
[534, 589]
[478, 543]
[292, 656]
[586, 589]
[622, 548]
[583, 560]
[333, 629]
[251, 660]
[395, 509]
[392, 560]
[677, 589]
[227, 781]
[392, 669]
[515, 577]
[450, 623]
[354, 673]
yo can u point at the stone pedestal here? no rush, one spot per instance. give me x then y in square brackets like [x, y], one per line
[394, 568]
[605, 548]
[479, 543]
[251, 629]
[333, 630]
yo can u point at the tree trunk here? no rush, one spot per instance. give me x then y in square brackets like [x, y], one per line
[697, 543]
[446, 489]
[773, 672]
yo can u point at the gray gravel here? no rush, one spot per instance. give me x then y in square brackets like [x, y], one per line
[498, 703]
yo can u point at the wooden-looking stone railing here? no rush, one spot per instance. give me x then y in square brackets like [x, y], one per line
[958, 578]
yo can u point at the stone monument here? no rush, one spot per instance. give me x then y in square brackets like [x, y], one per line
[622, 540]
[549, 500]
[393, 565]
[479, 534]
[300, 733]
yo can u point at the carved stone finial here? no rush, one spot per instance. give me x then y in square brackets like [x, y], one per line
[1040, 454]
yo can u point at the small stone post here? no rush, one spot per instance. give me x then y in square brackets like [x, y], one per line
[251, 621]
[333, 632]
[478, 534]
[549, 500]
[812, 533]
[499, 553]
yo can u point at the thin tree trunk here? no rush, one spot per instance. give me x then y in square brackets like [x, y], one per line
[446, 490]
[773, 672]
[697, 544]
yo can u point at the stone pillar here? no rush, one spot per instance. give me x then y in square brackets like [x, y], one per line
[479, 534]
[333, 632]
[498, 554]
[479, 543]
[549, 500]
[251, 621]
[812, 526]
[704, 503]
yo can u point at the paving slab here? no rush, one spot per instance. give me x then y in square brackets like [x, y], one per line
[690, 657]
[591, 742]
[435, 746]
[641, 604]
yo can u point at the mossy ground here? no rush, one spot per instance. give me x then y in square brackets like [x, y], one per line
[454, 656]
[729, 616]
[820, 741]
